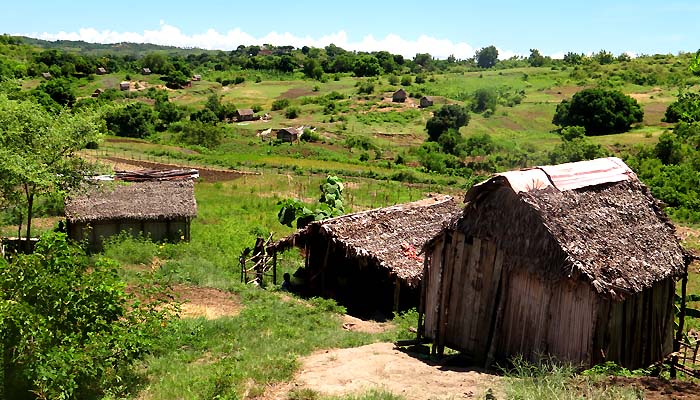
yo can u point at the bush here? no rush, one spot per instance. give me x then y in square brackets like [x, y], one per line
[451, 116]
[310, 136]
[292, 112]
[133, 120]
[280, 104]
[366, 87]
[686, 109]
[599, 111]
[70, 327]
[484, 99]
[406, 80]
[199, 133]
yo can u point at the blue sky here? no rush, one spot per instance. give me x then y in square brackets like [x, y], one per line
[438, 27]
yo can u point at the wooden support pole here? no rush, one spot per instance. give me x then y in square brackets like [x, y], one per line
[397, 294]
[681, 323]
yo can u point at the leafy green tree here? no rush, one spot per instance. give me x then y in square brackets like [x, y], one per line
[135, 119]
[575, 146]
[38, 151]
[59, 90]
[68, 329]
[668, 149]
[205, 115]
[573, 58]
[599, 111]
[536, 59]
[484, 99]
[199, 133]
[367, 65]
[450, 116]
[406, 80]
[312, 69]
[486, 57]
[686, 108]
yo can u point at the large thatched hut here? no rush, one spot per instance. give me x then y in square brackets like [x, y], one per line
[576, 261]
[368, 261]
[161, 210]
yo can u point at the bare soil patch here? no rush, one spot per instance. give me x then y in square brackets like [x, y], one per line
[563, 92]
[296, 92]
[657, 388]
[339, 372]
[206, 302]
[359, 325]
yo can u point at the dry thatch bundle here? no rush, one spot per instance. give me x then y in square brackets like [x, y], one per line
[388, 238]
[153, 200]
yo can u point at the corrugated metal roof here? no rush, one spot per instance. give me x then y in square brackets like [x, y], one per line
[582, 174]
[526, 180]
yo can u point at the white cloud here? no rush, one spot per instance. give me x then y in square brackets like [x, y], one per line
[213, 40]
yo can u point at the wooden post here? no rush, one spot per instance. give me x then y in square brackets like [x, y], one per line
[681, 323]
[397, 294]
[421, 303]
[323, 268]
[274, 267]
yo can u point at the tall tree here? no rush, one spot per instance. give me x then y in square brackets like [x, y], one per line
[487, 57]
[38, 151]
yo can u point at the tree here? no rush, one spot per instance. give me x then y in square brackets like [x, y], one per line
[575, 146]
[484, 99]
[330, 204]
[686, 108]
[135, 119]
[450, 116]
[367, 65]
[312, 69]
[68, 329]
[199, 133]
[487, 57]
[59, 90]
[536, 59]
[38, 151]
[599, 111]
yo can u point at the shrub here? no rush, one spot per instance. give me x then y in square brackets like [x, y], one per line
[133, 120]
[199, 133]
[280, 104]
[484, 99]
[599, 111]
[292, 112]
[406, 80]
[686, 109]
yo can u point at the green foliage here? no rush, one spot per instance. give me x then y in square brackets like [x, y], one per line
[280, 104]
[484, 99]
[38, 152]
[486, 57]
[134, 119]
[451, 116]
[599, 111]
[69, 330]
[367, 65]
[549, 379]
[668, 149]
[686, 108]
[310, 136]
[330, 204]
[394, 80]
[575, 146]
[365, 87]
[205, 116]
[199, 133]
[292, 112]
[59, 90]
[406, 80]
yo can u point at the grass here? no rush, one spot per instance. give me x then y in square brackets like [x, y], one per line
[551, 380]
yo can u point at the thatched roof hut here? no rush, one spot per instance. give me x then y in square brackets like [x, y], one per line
[426, 101]
[245, 114]
[161, 209]
[369, 260]
[145, 71]
[289, 134]
[101, 71]
[577, 261]
[124, 85]
[399, 96]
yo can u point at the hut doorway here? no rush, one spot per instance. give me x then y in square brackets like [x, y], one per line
[473, 268]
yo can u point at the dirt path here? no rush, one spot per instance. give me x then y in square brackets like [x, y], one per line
[381, 366]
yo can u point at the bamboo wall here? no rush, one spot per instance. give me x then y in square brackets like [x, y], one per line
[96, 232]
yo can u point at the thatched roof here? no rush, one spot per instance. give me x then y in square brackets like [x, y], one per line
[388, 238]
[612, 230]
[152, 200]
[245, 111]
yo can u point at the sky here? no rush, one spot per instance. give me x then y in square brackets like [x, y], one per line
[441, 28]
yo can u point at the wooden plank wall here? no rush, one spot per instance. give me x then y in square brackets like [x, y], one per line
[638, 331]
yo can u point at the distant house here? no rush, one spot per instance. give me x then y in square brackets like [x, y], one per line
[97, 92]
[125, 85]
[197, 77]
[46, 75]
[426, 101]
[245, 114]
[399, 96]
[101, 71]
[370, 261]
[145, 71]
[574, 261]
[288, 134]
[161, 210]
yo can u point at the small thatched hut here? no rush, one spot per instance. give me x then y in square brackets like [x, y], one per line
[288, 134]
[399, 96]
[245, 114]
[426, 101]
[197, 77]
[161, 210]
[368, 261]
[145, 71]
[125, 85]
[46, 75]
[576, 261]
[101, 71]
